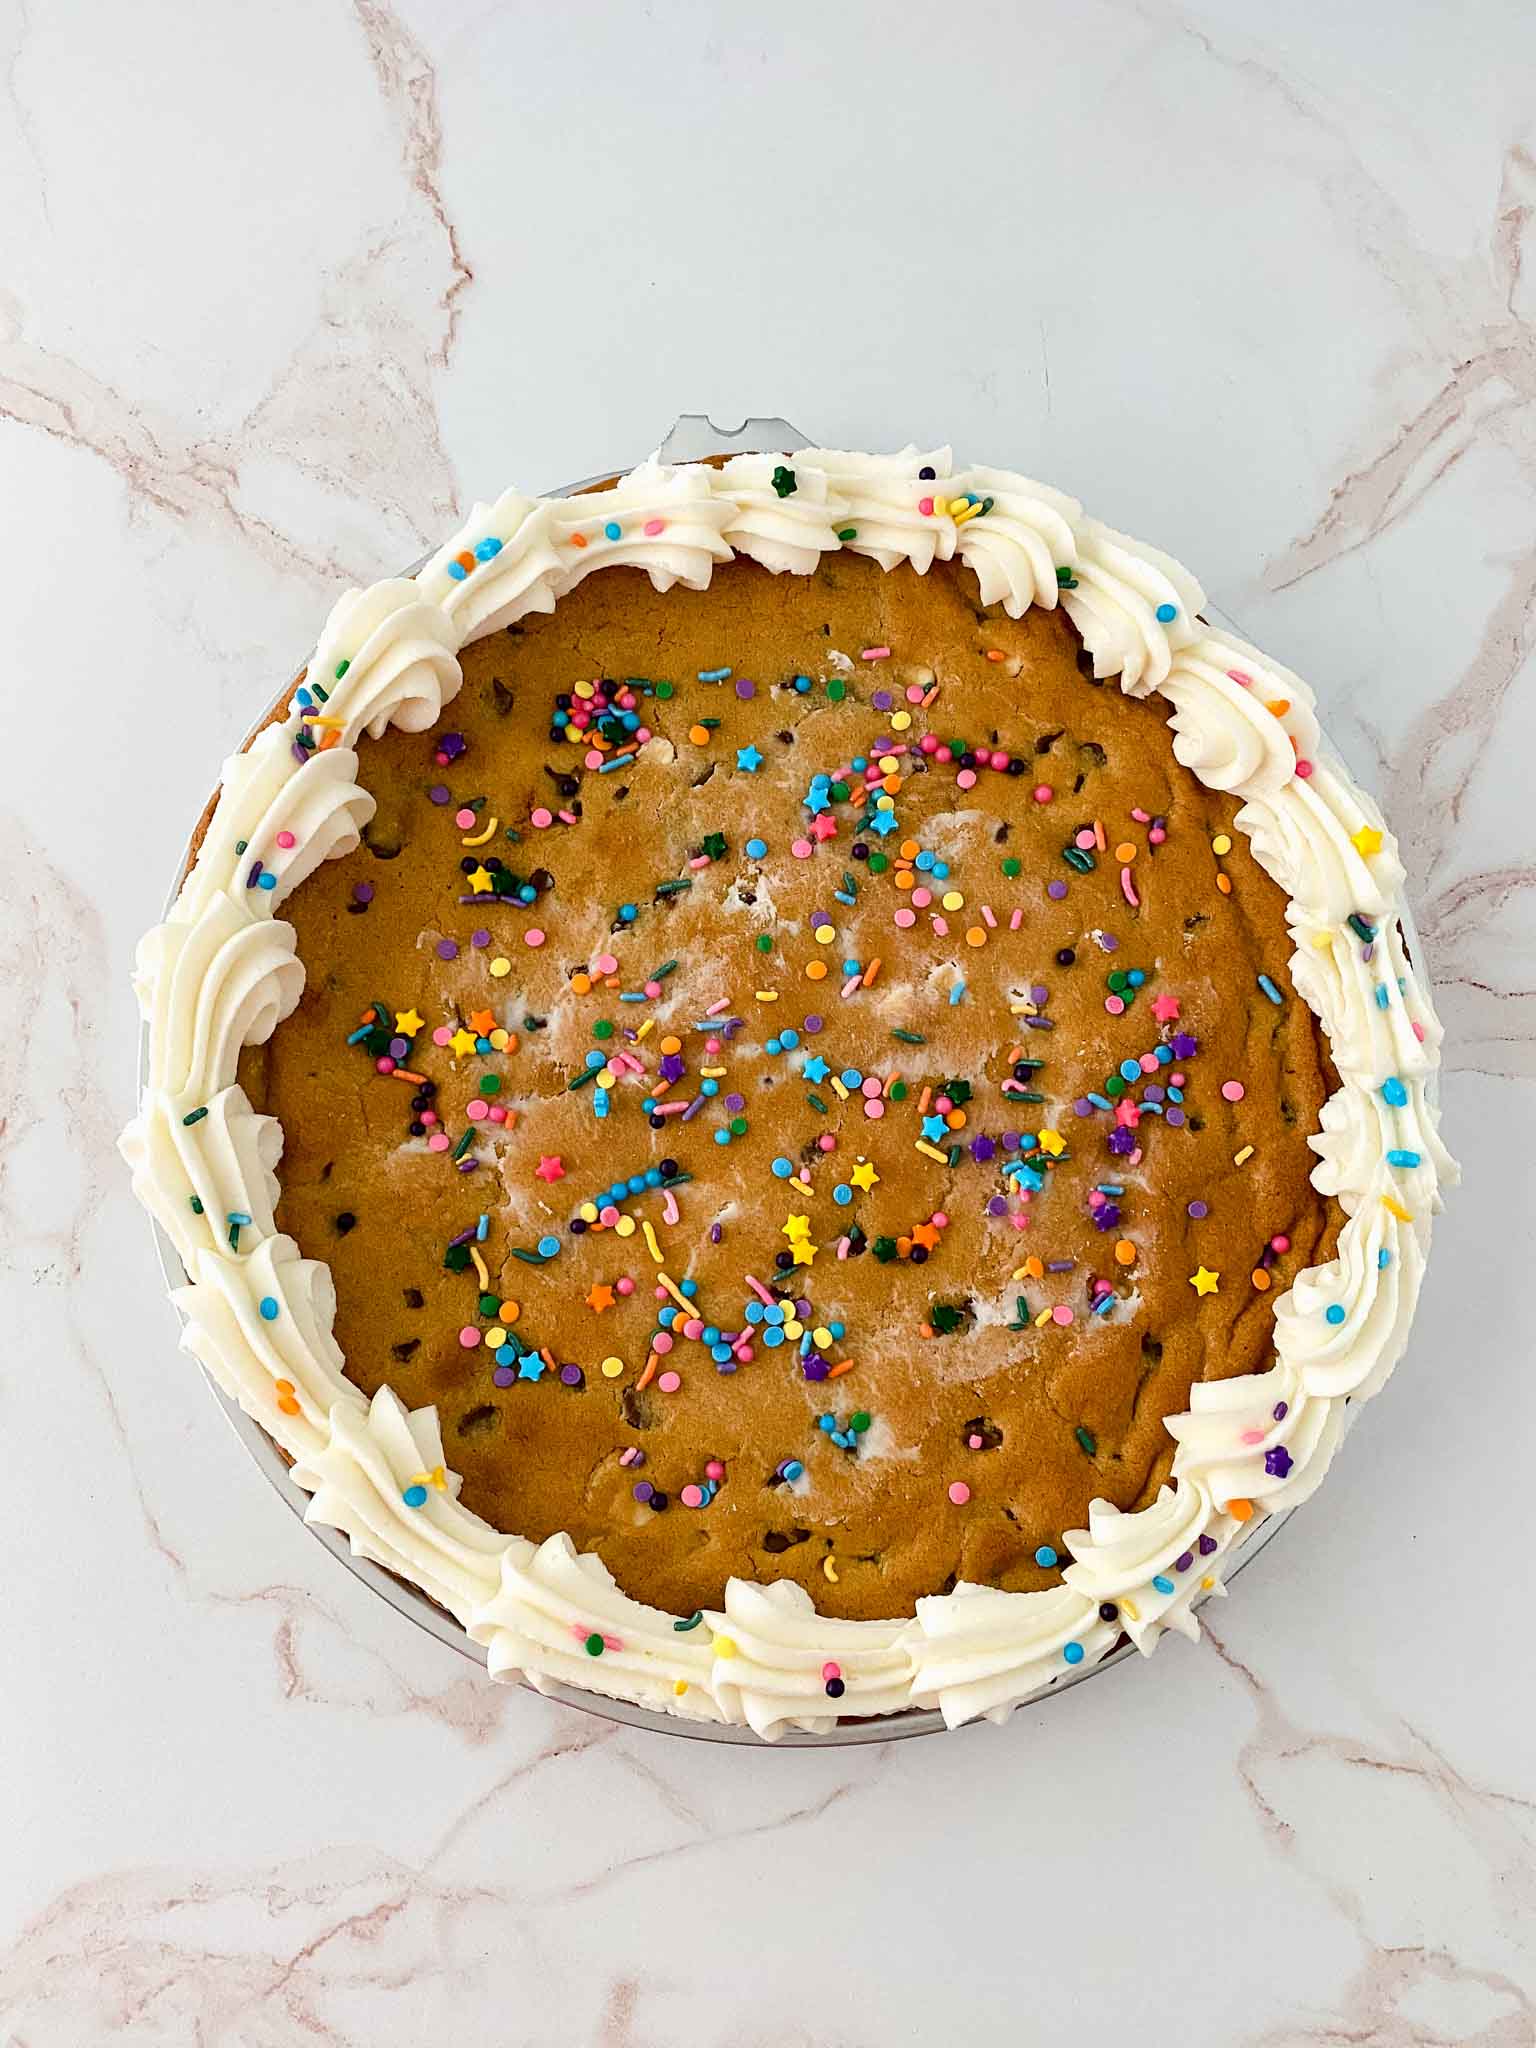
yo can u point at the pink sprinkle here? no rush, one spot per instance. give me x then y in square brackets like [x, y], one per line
[987, 918]
[921, 898]
[874, 1108]
[475, 1109]
[1417, 1030]
[693, 1329]
[1015, 920]
[925, 506]
[669, 1207]
[826, 1141]
[464, 819]
[714, 1469]
[469, 1337]
[1061, 1314]
[429, 1117]
[592, 758]
[653, 527]
[830, 1670]
[874, 654]
[1280, 1244]
[1128, 889]
[914, 693]
[661, 1343]
[498, 1113]
[1142, 817]
[541, 817]
[1251, 1436]
[691, 1496]
[533, 937]
[906, 918]
[869, 1085]
[1115, 1005]
[1148, 1062]
[1232, 1091]
[441, 1035]
[1083, 840]
[1304, 769]
[568, 818]
[959, 1492]
[605, 963]
[285, 840]
[842, 1246]
[670, 1109]
[700, 860]
[669, 1382]
[385, 1064]
[608, 1214]
[1157, 835]
[1043, 792]
[438, 1142]
[801, 849]
[939, 1220]
[966, 779]
[1236, 675]
[624, 1285]
[758, 1289]
[941, 927]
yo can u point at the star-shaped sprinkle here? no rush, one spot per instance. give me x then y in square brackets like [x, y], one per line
[882, 822]
[599, 1297]
[783, 481]
[795, 1228]
[816, 1069]
[1165, 1009]
[483, 1022]
[462, 1043]
[1366, 841]
[926, 1234]
[824, 828]
[479, 882]
[1204, 1281]
[550, 1168]
[1053, 1142]
[749, 758]
[935, 1130]
[802, 1251]
[864, 1176]
[530, 1366]
[409, 1022]
[816, 801]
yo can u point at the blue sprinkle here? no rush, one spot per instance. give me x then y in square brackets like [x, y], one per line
[789, 1040]
[612, 530]
[688, 1287]
[488, 549]
[1394, 1091]
[773, 1336]
[1130, 1070]
[1046, 1556]
[1166, 614]
[722, 1137]
[457, 571]
[482, 1228]
[267, 1308]
[1383, 1260]
[594, 1061]
[1101, 1102]
[1269, 989]
[794, 1469]
[1136, 977]
[774, 1046]
[1383, 996]
[1105, 1303]
[756, 848]
[924, 861]
[1398, 1157]
[266, 881]
[720, 1353]
[850, 1077]
[614, 761]
[416, 1496]
[956, 993]
[842, 1194]
[782, 1169]
[838, 1330]
[714, 675]
[802, 684]
[1073, 1652]
[1162, 1583]
[548, 1246]
[1334, 1313]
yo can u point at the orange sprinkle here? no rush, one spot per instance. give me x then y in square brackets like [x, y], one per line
[1125, 1252]
[1224, 884]
[327, 741]
[699, 734]
[955, 1118]
[1260, 1279]
[1279, 706]
[996, 654]
[649, 1373]
[405, 1074]
[843, 1365]
[671, 1043]
[1240, 1510]
[578, 540]
[922, 1100]
[975, 936]
[285, 1401]
[910, 849]
[465, 560]
[892, 1079]
[905, 879]
[870, 973]
[581, 983]
[1098, 835]
[816, 970]
[1125, 851]
[1033, 1268]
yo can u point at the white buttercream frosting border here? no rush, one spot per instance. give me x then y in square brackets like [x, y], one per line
[222, 972]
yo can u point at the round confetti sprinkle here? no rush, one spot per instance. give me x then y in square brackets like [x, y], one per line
[959, 1492]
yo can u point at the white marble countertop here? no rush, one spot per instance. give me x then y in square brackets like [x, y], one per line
[282, 289]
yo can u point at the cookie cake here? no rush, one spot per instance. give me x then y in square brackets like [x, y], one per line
[822, 1121]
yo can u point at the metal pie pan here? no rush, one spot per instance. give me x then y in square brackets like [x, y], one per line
[693, 437]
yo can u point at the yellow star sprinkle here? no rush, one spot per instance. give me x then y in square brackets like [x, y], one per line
[462, 1043]
[1052, 1142]
[802, 1251]
[1203, 1281]
[795, 1227]
[864, 1176]
[408, 1022]
[1366, 841]
[480, 881]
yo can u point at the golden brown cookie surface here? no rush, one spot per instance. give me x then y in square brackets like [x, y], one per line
[985, 1376]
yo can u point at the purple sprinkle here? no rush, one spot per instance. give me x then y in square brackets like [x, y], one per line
[715, 1233]
[693, 1109]
[1278, 1462]
[814, 1368]
[1152, 1093]
[300, 754]
[1108, 943]
[997, 1206]
[1082, 1106]
[398, 1048]
[1038, 994]
[254, 876]
[735, 1104]
[362, 892]
[882, 700]
[744, 689]
[480, 938]
[447, 949]
[1198, 1209]
[1183, 1046]
[452, 744]
[1060, 1265]
[1106, 1216]
[440, 793]
[1175, 1117]
[1281, 1411]
[1010, 1141]
[812, 1024]
[572, 1375]
[1041, 1023]
[725, 1365]
[1055, 890]
[1207, 1545]
[503, 1376]
[983, 1148]
[1121, 1142]
[802, 1309]
[642, 1490]
[1182, 1564]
